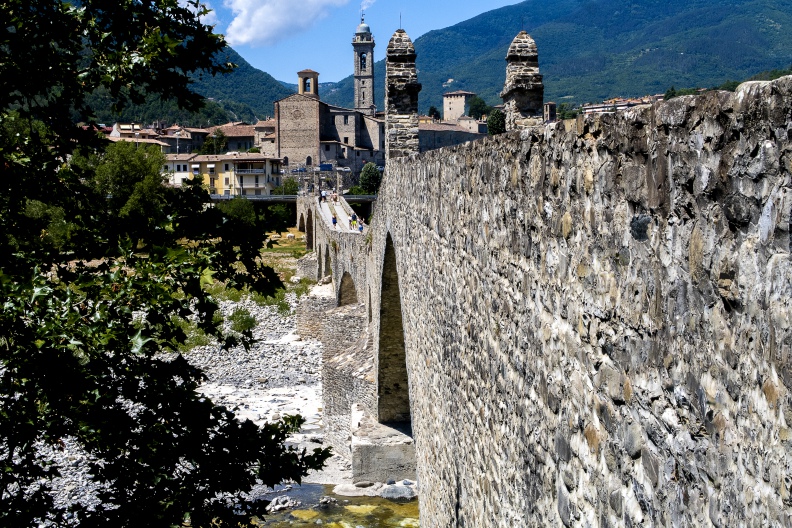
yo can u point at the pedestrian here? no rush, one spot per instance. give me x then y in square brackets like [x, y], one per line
[324, 196]
[335, 221]
[360, 227]
[350, 224]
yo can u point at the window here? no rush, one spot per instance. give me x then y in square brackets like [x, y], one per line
[196, 169]
[257, 192]
[307, 85]
[211, 170]
[346, 140]
[346, 119]
[327, 148]
[363, 97]
[212, 182]
[165, 167]
[285, 160]
[226, 182]
[256, 180]
[358, 153]
[227, 192]
[226, 167]
[244, 192]
[239, 145]
[309, 160]
[363, 61]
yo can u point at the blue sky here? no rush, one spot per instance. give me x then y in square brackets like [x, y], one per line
[283, 37]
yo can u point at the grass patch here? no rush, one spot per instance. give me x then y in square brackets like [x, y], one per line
[195, 336]
[278, 300]
[241, 320]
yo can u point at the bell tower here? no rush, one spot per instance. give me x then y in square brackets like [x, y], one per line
[363, 44]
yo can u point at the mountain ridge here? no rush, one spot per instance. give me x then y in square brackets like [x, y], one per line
[590, 50]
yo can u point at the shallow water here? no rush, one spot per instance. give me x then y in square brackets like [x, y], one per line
[350, 512]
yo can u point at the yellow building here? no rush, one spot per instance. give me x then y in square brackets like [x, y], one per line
[234, 173]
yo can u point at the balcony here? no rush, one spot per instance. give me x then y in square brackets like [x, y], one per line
[249, 171]
[247, 185]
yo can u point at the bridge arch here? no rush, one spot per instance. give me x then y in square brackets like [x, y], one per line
[393, 388]
[301, 224]
[347, 293]
[309, 231]
[328, 265]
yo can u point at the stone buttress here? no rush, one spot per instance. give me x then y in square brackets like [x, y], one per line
[401, 97]
[523, 93]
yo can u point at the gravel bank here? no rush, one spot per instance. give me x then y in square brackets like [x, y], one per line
[280, 374]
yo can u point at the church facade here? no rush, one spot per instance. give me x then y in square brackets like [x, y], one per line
[310, 132]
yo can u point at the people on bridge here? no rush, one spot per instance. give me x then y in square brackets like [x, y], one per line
[324, 196]
[335, 221]
[360, 227]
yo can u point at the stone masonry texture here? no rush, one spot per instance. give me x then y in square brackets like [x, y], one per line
[401, 96]
[596, 316]
[523, 92]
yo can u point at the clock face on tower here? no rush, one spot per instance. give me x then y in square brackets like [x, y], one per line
[297, 114]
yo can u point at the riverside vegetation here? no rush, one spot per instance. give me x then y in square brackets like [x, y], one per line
[93, 247]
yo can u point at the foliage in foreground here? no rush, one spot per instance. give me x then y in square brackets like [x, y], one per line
[93, 250]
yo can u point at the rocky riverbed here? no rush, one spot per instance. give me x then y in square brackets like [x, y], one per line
[279, 375]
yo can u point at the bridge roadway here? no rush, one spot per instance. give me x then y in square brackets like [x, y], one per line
[327, 209]
[289, 198]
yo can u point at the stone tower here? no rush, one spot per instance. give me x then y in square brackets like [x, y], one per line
[363, 44]
[309, 83]
[401, 97]
[523, 94]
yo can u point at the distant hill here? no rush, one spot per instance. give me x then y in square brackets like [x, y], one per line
[590, 50]
[246, 94]
[246, 85]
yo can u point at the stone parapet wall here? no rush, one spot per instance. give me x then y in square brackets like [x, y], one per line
[596, 317]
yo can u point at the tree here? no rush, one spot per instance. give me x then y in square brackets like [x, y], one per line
[240, 211]
[496, 123]
[477, 107]
[434, 113]
[216, 143]
[89, 330]
[370, 178]
[566, 111]
[670, 94]
[290, 186]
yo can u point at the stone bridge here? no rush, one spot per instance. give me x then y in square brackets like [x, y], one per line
[582, 323]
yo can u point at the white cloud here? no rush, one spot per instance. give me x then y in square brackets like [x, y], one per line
[366, 4]
[264, 22]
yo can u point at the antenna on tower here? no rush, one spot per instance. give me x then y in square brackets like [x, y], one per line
[400, 23]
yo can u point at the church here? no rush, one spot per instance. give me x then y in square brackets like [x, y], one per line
[310, 132]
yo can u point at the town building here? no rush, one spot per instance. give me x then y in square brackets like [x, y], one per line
[309, 132]
[363, 45]
[230, 174]
[439, 134]
[240, 136]
[618, 104]
[455, 104]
